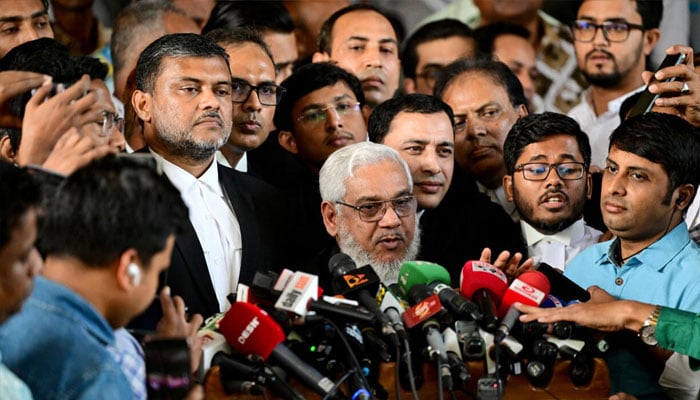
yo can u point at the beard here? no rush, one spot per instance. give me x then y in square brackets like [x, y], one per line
[549, 226]
[388, 271]
[180, 141]
[608, 80]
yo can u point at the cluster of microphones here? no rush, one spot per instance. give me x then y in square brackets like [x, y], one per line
[282, 325]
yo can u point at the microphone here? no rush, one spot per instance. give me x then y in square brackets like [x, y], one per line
[485, 285]
[392, 307]
[360, 284]
[232, 370]
[530, 288]
[249, 330]
[297, 293]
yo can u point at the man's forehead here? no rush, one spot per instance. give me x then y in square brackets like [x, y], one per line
[327, 95]
[208, 68]
[349, 22]
[21, 8]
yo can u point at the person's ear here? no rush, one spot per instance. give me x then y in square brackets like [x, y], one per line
[142, 103]
[330, 218]
[522, 110]
[7, 153]
[685, 194]
[288, 142]
[409, 85]
[320, 57]
[128, 272]
[651, 38]
[508, 187]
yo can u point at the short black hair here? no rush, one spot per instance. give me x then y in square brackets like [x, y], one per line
[108, 206]
[239, 36]
[498, 72]
[486, 35]
[325, 36]
[176, 45]
[18, 194]
[534, 128]
[663, 139]
[383, 114]
[650, 10]
[440, 29]
[307, 79]
[263, 16]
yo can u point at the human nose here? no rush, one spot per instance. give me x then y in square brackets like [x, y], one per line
[429, 162]
[372, 57]
[208, 99]
[34, 263]
[476, 127]
[613, 184]
[390, 219]
[553, 178]
[29, 33]
[333, 119]
[253, 103]
[599, 36]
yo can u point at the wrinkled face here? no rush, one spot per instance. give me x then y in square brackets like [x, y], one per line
[435, 55]
[283, 47]
[17, 269]
[252, 120]
[364, 43]
[317, 138]
[190, 107]
[606, 63]
[553, 204]
[22, 21]
[483, 116]
[634, 196]
[519, 55]
[426, 143]
[101, 123]
[389, 241]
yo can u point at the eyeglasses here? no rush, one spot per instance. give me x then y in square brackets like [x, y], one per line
[613, 31]
[568, 171]
[111, 121]
[374, 211]
[269, 94]
[430, 75]
[319, 115]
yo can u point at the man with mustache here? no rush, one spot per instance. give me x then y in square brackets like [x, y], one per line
[486, 98]
[651, 177]
[184, 98]
[612, 40]
[255, 93]
[421, 129]
[323, 110]
[369, 208]
[547, 158]
[360, 39]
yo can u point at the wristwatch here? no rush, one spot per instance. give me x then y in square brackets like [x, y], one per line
[647, 333]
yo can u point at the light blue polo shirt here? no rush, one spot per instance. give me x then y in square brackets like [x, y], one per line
[665, 273]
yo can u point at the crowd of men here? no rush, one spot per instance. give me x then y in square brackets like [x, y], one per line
[193, 153]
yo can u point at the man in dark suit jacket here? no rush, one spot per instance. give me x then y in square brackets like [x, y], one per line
[457, 223]
[237, 223]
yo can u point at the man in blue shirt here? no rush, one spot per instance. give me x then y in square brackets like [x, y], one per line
[108, 233]
[651, 176]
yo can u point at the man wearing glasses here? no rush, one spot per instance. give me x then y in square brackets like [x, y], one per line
[254, 93]
[547, 158]
[369, 208]
[612, 40]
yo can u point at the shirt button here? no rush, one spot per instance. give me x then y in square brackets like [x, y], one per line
[619, 281]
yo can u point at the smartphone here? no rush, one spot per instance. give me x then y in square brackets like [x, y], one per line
[646, 101]
[167, 368]
[563, 287]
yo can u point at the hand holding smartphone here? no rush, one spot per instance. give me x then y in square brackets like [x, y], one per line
[647, 99]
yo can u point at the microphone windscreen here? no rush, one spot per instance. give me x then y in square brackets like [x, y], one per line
[478, 275]
[250, 330]
[421, 272]
[530, 288]
[340, 263]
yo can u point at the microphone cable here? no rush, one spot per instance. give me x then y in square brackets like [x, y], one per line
[410, 368]
[356, 364]
[397, 375]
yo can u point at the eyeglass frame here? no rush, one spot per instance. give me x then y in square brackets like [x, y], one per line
[381, 213]
[356, 107]
[555, 166]
[115, 119]
[280, 91]
[602, 27]
[431, 74]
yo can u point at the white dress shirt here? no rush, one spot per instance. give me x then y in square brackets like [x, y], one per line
[599, 127]
[214, 222]
[560, 248]
[242, 164]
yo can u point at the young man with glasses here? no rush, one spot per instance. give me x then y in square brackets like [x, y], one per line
[612, 40]
[369, 208]
[254, 93]
[547, 158]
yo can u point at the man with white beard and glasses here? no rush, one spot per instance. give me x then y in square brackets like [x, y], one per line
[369, 207]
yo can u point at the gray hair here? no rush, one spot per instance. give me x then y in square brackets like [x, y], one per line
[341, 165]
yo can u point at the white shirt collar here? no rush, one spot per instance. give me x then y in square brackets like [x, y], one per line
[184, 181]
[533, 236]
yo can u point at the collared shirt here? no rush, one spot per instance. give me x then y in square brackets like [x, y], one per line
[498, 196]
[666, 273]
[215, 223]
[58, 345]
[11, 387]
[560, 248]
[242, 164]
[129, 354]
[599, 127]
[560, 83]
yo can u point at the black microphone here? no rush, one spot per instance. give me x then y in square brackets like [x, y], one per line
[232, 370]
[456, 303]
